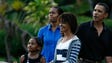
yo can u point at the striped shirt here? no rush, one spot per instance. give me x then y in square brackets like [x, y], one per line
[67, 52]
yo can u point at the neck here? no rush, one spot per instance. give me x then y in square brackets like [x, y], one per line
[54, 26]
[67, 36]
[98, 24]
[68, 33]
[33, 55]
[99, 27]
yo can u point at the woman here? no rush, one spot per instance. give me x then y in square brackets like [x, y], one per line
[68, 46]
[50, 33]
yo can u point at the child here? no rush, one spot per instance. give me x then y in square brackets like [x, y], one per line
[34, 48]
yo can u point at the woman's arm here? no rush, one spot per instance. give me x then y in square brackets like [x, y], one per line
[73, 52]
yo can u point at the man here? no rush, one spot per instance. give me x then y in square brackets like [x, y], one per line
[96, 37]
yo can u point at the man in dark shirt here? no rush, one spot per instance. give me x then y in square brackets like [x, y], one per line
[96, 38]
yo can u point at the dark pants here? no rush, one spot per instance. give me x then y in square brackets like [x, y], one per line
[88, 61]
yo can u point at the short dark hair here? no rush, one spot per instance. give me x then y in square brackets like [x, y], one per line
[70, 19]
[60, 10]
[106, 7]
[39, 41]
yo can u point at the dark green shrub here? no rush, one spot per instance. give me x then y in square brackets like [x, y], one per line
[2, 43]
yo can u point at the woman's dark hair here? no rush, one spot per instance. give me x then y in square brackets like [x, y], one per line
[106, 7]
[39, 41]
[60, 11]
[70, 19]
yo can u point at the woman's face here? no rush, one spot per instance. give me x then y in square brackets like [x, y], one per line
[32, 45]
[53, 14]
[64, 27]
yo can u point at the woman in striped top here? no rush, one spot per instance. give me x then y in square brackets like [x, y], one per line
[68, 46]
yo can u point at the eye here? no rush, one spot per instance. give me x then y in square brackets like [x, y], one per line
[51, 12]
[94, 10]
[99, 11]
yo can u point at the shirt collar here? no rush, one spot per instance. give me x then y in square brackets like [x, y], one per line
[49, 27]
[92, 26]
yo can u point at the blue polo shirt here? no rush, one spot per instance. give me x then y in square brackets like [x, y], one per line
[50, 40]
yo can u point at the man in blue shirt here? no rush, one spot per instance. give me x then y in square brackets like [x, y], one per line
[50, 33]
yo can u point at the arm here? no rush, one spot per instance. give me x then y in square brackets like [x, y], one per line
[109, 59]
[22, 59]
[109, 49]
[53, 61]
[43, 60]
[40, 33]
[73, 52]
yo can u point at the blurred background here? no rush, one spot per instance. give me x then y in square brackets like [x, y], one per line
[21, 19]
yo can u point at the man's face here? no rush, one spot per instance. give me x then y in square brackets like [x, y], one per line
[99, 13]
[53, 14]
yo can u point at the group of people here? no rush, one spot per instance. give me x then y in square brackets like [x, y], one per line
[63, 41]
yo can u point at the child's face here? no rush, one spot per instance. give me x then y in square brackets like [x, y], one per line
[32, 46]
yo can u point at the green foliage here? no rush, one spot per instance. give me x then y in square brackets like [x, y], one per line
[3, 8]
[108, 22]
[15, 10]
[16, 48]
[17, 5]
[37, 11]
[32, 15]
[29, 28]
[2, 43]
[82, 19]
[64, 2]
[84, 7]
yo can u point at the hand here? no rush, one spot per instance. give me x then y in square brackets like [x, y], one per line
[109, 59]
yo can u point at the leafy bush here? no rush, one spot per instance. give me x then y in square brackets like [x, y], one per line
[82, 19]
[2, 43]
[37, 11]
[108, 22]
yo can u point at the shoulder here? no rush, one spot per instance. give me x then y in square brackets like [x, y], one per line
[76, 41]
[108, 29]
[75, 45]
[44, 27]
[22, 58]
[43, 60]
[85, 24]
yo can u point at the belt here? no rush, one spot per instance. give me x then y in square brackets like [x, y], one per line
[83, 60]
